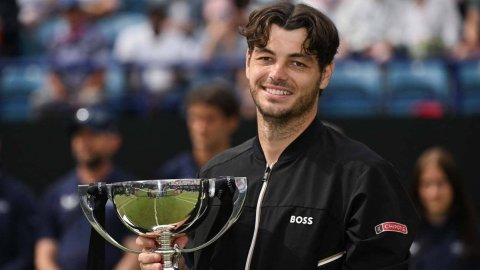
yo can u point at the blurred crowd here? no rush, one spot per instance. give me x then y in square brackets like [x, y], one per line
[139, 57]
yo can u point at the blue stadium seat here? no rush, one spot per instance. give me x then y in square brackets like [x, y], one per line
[21, 78]
[111, 26]
[469, 87]
[413, 83]
[17, 82]
[34, 42]
[355, 90]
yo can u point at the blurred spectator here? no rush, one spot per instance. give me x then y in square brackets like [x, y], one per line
[99, 8]
[220, 48]
[449, 238]
[212, 118]
[428, 28]
[150, 53]
[78, 57]
[327, 7]
[469, 46]
[180, 15]
[34, 12]
[9, 25]
[365, 28]
[17, 224]
[64, 231]
[219, 37]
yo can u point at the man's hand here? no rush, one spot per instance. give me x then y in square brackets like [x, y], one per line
[151, 260]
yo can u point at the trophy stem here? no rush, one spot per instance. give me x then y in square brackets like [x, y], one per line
[169, 254]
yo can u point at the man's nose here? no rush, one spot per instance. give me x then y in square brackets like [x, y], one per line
[278, 72]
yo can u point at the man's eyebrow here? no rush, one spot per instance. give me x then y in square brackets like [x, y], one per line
[307, 57]
[263, 50]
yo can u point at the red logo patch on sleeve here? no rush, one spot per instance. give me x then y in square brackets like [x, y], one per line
[391, 227]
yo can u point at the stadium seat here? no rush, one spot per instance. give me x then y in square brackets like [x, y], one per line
[34, 41]
[17, 82]
[469, 87]
[355, 90]
[413, 84]
[21, 78]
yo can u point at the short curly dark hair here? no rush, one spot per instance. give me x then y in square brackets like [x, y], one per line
[322, 35]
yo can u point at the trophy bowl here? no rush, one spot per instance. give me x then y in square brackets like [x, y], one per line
[164, 208]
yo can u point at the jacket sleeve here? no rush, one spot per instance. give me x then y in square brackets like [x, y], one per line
[380, 221]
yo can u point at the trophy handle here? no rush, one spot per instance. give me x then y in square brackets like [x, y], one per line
[87, 203]
[241, 187]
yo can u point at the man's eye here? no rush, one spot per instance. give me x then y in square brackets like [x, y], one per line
[264, 58]
[298, 64]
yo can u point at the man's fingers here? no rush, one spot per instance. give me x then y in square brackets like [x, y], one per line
[150, 261]
[145, 242]
[154, 266]
[181, 240]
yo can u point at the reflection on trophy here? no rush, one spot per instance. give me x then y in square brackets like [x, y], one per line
[164, 208]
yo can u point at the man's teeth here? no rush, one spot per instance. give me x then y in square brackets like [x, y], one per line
[278, 92]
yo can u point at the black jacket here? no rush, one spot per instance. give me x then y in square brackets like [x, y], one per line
[326, 196]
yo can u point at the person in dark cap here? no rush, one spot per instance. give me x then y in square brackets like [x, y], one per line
[17, 223]
[63, 231]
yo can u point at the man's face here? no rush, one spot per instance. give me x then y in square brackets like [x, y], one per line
[91, 148]
[209, 128]
[284, 80]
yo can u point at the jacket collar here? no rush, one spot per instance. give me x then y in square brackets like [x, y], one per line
[298, 147]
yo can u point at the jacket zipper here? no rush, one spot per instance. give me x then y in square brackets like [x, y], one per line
[266, 176]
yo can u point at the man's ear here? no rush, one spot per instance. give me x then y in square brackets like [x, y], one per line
[247, 63]
[326, 76]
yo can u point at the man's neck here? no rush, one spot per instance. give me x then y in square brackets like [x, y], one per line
[91, 175]
[276, 136]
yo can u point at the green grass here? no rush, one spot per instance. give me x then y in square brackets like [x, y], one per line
[147, 213]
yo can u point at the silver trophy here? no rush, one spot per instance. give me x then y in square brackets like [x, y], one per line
[164, 209]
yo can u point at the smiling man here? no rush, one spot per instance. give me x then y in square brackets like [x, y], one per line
[316, 199]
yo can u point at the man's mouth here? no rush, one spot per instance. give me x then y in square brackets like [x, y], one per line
[278, 92]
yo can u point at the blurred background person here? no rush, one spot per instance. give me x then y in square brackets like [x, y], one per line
[327, 7]
[449, 237]
[150, 53]
[17, 224]
[219, 37]
[428, 28]
[220, 48]
[212, 113]
[64, 232]
[365, 28]
[77, 57]
[469, 45]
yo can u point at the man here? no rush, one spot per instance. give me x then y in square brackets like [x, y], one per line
[212, 118]
[316, 199]
[150, 52]
[64, 231]
[17, 224]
